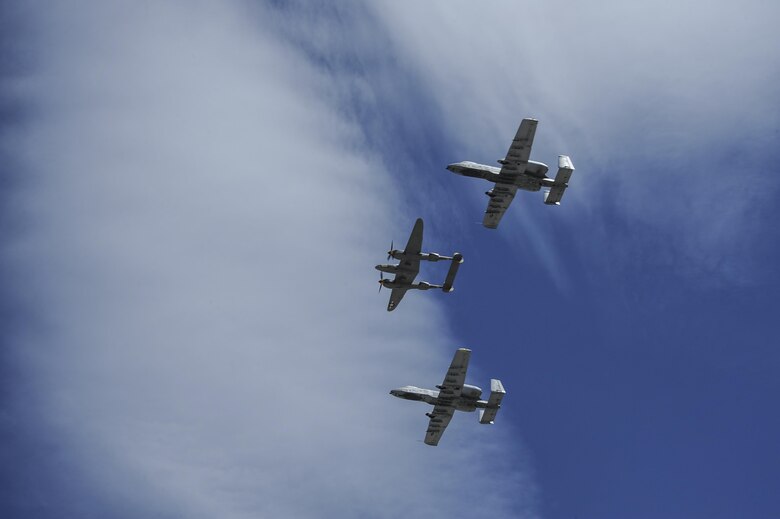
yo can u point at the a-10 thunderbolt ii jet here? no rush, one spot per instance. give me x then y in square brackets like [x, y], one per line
[409, 267]
[453, 395]
[517, 171]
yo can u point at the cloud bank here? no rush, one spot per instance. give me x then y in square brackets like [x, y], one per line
[201, 334]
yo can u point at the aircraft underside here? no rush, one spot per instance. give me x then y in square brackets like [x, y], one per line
[531, 180]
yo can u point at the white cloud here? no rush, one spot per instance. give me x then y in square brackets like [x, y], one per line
[201, 227]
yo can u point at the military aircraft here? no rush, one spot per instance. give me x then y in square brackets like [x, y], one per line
[453, 395]
[407, 270]
[517, 171]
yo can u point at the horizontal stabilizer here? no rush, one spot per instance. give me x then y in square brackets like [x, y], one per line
[497, 392]
[565, 169]
[457, 259]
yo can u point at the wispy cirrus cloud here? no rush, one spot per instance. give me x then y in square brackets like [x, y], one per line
[204, 337]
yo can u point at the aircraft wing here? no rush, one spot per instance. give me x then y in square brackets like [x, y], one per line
[395, 297]
[450, 389]
[449, 392]
[410, 257]
[410, 266]
[410, 263]
[520, 149]
[414, 245]
[440, 419]
[502, 196]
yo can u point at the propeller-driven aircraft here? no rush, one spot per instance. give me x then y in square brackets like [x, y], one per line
[453, 395]
[517, 171]
[409, 267]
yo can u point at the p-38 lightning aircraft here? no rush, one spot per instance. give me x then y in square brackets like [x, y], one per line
[453, 395]
[517, 171]
[407, 270]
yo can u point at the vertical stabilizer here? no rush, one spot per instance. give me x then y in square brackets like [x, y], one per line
[457, 259]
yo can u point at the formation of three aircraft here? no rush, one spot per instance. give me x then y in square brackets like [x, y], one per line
[517, 171]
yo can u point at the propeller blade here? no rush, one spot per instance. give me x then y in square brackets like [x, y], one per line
[381, 279]
[390, 252]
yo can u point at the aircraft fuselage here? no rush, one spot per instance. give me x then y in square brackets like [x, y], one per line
[422, 285]
[532, 179]
[423, 256]
[468, 400]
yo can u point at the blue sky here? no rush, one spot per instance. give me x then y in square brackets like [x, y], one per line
[194, 199]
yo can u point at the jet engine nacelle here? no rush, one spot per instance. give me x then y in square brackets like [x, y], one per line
[469, 391]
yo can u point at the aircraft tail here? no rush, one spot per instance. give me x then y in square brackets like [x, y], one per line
[497, 392]
[565, 169]
[457, 259]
